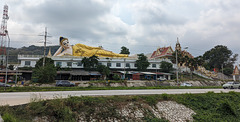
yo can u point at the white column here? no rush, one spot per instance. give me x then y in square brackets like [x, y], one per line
[234, 77]
[169, 77]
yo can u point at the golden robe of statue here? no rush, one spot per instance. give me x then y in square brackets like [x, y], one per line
[83, 50]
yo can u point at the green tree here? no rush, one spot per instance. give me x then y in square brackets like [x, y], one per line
[90, 63]
[142, 62]
[220, 56]
[179, 57]
[230, 63]
[104, 70]
[192, 65]
[124, 50]
[227, 71]
[45, 74]
[217, 56]
[166, 66]
[40, 62]
[199, 60]
[116, 77]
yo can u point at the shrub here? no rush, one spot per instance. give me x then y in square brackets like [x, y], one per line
[165, 96]
[227, 108]
[116, 77]
[8, 118]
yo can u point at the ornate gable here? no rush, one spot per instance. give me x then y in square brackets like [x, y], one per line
[162, 52]
[236, 71]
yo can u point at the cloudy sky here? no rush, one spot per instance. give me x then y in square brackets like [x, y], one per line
[140, 25]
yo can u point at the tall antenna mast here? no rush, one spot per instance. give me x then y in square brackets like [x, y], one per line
[3, 34]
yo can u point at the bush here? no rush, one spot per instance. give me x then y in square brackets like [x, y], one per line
[116, 77]
[227, 108]
[8, 118]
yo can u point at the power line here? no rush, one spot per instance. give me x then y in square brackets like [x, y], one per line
[23, 35]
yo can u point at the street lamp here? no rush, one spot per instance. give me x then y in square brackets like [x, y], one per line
[7, 59]
[177, 64]
[156, 67]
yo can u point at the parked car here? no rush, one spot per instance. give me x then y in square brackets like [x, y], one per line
[231, 85]
[11, 81]
[3, 85]
[161, 79]
[64, 83]
[186, 84]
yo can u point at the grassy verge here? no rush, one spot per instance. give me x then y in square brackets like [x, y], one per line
[35, 89]
[210, 107]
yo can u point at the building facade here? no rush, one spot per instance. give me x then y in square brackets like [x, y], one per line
[75, 62]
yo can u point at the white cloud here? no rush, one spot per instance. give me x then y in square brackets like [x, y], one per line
[139, 25]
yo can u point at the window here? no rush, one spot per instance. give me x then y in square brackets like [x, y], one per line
[27, 63]
[79, 63]
[99, 63]
[154, 65]
[69, 64]
[127, 65]
[118, 65]
[135, 65]
[59, 64]
[109, 64]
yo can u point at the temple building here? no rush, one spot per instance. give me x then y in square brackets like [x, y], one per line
[71, 56]
[162, 53]
[236, 74]
[183, 52]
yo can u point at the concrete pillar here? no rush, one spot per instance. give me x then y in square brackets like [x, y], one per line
[169, 77]
[234, 77]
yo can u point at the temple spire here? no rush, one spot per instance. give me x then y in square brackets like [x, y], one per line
[178, 46]
[49, 53]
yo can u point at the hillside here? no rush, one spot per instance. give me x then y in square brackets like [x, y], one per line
[210, 107]
[31, 50]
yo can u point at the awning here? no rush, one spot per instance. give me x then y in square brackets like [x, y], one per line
[85, 73]
[96, 73]
[125, 72]
[10, 73]
[161, 73]
[148, 73]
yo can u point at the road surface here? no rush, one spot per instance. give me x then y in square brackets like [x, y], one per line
[17, 98]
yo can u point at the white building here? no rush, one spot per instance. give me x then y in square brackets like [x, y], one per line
[75, 62]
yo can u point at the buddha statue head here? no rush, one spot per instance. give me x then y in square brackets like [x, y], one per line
[64, 42]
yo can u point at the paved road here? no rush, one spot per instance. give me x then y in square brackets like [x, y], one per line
[16, 98]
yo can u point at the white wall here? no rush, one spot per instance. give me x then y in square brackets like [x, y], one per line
[104, 61]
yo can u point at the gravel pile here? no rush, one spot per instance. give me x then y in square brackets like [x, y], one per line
[174, 112]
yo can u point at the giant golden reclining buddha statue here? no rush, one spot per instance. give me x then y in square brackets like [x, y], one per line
[83, 50]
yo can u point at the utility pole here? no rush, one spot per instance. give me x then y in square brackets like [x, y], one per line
[124, 68]
[16, 78]
[156, 67]
[6, 75]
[45, 43]
[176, 66]
[222, 73]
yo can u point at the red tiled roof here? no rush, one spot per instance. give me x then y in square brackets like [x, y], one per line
[160, 52]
